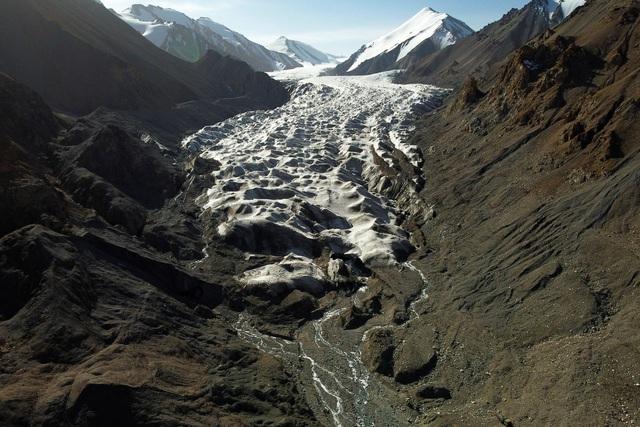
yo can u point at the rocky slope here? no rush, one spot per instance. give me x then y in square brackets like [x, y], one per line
[480, 54]
[103, 320]
[532, 255]
[80, 57]
[427, 32]
[189, 39]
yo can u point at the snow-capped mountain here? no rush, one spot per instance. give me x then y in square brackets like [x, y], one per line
[559, 10]
[302, 52]
[477, 55]
[427, 32]
[189, 39]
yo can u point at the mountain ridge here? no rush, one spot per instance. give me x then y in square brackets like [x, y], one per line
[302, 52]
[478, 54]
[533, 172]
[189, 38]
[95, 62]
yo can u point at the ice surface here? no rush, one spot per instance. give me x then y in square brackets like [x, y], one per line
[296, 179]
[224, 32]
[302, 73]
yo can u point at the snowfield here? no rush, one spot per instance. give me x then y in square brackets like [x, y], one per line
[298, 180]
[303, 53]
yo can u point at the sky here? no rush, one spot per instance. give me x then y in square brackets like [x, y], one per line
[335, 26]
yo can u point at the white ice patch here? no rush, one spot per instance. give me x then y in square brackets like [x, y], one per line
[290, 274]
[298, 177]
[301, 73]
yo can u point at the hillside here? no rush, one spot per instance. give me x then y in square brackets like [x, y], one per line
[102, 319]
[533, 251]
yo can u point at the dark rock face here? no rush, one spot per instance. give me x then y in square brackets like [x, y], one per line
[26, 125]
[117, 175]
[468, 95]
[430, 392]
[26, 194]
[242, 79]
[299, 305]
[116, 207]
[24, 116]
[135, 168]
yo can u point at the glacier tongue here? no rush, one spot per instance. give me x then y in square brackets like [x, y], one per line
[299, 179]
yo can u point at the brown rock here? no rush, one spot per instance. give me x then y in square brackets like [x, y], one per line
[377, 351]
[415, 356]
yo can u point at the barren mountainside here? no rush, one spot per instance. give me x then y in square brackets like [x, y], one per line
[534, 248]
[198, 244]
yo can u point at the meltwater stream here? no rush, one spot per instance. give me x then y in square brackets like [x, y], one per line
[344, 387]
[305, 179]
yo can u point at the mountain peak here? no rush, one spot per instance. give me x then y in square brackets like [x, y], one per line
[428, 9]
[428, 24]
[301, 52]
[150, 13]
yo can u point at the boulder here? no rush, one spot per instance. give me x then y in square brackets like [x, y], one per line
[377, 351]
[415, 357]
[299, 304]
